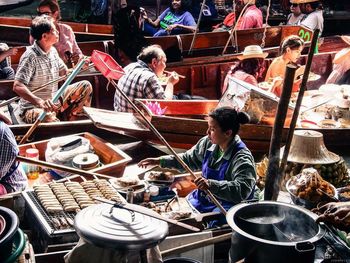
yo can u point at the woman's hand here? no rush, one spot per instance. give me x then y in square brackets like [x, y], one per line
[336, 213]
[201, 183]
[171, 27]
[149, 161]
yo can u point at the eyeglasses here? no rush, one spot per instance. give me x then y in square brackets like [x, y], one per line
[44, 13]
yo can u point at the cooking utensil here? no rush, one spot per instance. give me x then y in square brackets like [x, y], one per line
[291, 236]
[97, 56]
[146, 211]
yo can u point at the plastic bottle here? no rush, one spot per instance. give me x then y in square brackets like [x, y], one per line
[32, 170]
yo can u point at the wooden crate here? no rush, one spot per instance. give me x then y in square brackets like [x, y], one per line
[113, 159]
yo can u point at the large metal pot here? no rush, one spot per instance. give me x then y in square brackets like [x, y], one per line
[273, 232]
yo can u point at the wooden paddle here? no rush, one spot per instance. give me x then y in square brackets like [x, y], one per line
[54, 100]
[150, 125]
[6, 102]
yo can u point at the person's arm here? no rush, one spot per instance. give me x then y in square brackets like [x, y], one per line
[342, 55]
[154, 23]
[239, 183]
[7, 53]
[187, 28]
[23, 91]
[169, 89]
[188, 24]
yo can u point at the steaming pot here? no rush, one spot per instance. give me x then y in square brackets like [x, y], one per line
[271, 232]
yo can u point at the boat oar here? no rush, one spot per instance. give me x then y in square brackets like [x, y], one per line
[72, 170]
[6, 102]
[54, 100]
[197, 27]
[99, 64]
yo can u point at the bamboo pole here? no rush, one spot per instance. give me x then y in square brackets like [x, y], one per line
[72, 170]
[6, 102]
[197, 27]
[299, 100]
[198, 244]
[161, 138]
[272, 186]
[54, 100]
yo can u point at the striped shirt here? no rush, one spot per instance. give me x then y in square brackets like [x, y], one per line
[139, 82]
[37, 68]
[9, 151]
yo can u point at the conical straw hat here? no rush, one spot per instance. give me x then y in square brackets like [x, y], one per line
[308, 147]
[302, 1]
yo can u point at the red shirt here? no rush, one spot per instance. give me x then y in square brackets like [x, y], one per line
[252, 18]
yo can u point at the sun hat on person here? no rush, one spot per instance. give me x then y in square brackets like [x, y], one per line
[252, 51]
[302, 1]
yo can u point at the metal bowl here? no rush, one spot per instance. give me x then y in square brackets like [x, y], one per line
[304, 202]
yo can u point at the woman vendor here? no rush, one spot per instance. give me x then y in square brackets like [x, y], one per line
[227, 165]
[336, 213]
[290, 50]
[249, 67]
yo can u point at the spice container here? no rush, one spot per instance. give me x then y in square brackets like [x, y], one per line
[32, 171]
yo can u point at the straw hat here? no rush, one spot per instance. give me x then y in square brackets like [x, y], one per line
[307, 147]
[302, 1]
[346, 39]
[253, 51]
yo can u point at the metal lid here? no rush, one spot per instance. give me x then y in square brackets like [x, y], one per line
[86, 161]
[119, 230]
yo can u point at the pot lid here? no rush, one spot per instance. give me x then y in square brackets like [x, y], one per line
[118, 228]
[86, 161]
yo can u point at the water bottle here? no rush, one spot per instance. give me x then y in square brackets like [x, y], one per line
[32, 171]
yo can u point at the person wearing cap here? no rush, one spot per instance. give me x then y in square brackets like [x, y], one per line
[252, 16]
[12, 176]
[249, 68]
[227, 165]
[295, 16]
[341, 65]
[314, 14]
[290, 49]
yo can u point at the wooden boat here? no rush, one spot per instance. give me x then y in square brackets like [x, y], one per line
[15, 31]
[10, 4]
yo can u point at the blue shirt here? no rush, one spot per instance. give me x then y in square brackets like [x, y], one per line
[169, 18]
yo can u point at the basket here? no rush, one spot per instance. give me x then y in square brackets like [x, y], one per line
[107, 65]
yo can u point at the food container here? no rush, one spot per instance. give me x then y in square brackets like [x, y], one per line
[19, 243]
[304, 202]
[8, 233]
[291, 238]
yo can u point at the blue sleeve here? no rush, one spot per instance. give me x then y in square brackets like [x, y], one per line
[162, 15]
[189, 20]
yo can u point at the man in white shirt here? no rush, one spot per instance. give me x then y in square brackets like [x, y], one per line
[314, 14]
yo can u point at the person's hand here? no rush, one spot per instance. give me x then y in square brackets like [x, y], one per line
[201, 183]
[173, 78]
[12, 51]
[149, 161]
[300, 71]
[171, 27]
[336, 213]
[4, 118]
[47, 105]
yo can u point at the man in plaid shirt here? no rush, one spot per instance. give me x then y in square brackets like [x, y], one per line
[12, 177]
[141, 79]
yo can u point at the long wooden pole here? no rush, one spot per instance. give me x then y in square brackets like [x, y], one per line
[271, 186]
[6, 102]
[197, 27]
[161, 138]
[54, 100]
[299, 100]
[72, 170]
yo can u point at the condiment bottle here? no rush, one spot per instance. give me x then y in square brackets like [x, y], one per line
[32, 170]
[154, 190]
[146, 196]
[130, 195]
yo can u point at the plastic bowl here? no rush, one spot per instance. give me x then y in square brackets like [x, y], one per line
[8, 234]
[304, 202]
[19, 243]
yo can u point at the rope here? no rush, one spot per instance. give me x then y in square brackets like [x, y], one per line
[265, 28]
[234, 28]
